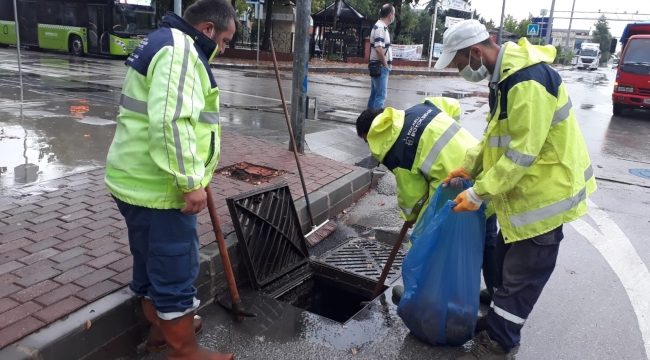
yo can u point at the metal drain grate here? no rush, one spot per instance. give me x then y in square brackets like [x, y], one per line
[366, 258]
[269, 233]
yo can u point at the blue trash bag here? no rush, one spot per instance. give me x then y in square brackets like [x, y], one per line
[441, 272]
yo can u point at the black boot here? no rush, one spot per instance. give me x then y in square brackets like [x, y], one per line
[489, 276]
[484, 348]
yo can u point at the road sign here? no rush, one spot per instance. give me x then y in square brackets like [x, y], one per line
[533, 30]
[543, 12]
[543, 24]
[450, 21]
[459, 5]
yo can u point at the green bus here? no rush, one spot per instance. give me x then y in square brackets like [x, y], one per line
[108, 27]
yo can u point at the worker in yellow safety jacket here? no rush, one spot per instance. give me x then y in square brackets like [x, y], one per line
[420, 146]
[163, 155]
[533, 165]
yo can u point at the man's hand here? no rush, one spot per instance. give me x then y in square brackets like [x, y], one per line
[195, 201]
[467, 201]
[457, 172]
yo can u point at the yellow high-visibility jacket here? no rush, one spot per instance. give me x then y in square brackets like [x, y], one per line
[532, 162]
[420, 145]
[167, 137]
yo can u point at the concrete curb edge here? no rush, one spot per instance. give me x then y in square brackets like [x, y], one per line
[117, 326]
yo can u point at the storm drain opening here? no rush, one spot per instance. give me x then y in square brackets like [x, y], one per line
[275, 253]
[250, 173]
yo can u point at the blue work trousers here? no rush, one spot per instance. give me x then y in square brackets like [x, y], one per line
[378, 89]
[165, 248]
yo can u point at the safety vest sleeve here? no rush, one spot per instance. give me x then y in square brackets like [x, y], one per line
[473, 162]
[173, 107]
[530, 112]
[412, 192]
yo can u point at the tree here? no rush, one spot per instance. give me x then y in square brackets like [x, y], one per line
[522, 26]
[603, 36]
[510, 24]
[268, 24]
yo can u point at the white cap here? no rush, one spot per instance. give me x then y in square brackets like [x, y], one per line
[460, 36]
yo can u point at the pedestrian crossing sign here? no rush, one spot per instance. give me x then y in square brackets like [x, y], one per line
[533, 29]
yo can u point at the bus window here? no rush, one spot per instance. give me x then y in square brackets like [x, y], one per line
[7, 13]
[75, 15]
[50, 12]
[129, 20]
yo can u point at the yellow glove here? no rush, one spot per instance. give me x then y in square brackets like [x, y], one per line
[457, 172]
[467, 201]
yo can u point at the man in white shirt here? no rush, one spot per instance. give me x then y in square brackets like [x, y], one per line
[381, 52]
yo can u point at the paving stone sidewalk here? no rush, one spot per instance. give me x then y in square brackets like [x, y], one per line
[63, 243]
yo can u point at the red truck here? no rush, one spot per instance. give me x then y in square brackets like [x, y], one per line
[632, 86]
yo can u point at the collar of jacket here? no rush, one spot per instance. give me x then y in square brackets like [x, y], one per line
[204, 43]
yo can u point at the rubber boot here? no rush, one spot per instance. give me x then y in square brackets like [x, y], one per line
[155, 341]
[484, 348]
[489, 276]
[181, 341]
[398, 291]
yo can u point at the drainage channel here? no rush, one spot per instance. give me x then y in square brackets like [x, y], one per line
[335, 285]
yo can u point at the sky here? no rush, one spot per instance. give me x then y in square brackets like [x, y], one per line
[520, 9]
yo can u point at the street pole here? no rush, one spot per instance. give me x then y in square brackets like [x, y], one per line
[568, 34]
[434, 19]
[178, 8]
[299, 74]
[503, 15]
[549, 27]
[20, 67]
[258, 12]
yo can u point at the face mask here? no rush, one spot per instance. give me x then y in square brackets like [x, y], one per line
[392, 20]
[472, 75]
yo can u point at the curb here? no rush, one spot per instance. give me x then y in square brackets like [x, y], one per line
[340, 70]
[117, 325]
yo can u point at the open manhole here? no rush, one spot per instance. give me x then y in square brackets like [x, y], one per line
[250, 173]
[275, 253]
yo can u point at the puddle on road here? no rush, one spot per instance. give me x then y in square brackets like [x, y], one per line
[42, 139]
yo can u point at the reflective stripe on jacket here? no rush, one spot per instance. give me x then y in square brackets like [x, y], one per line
[420, 145]
[533, 161]
[168, 133]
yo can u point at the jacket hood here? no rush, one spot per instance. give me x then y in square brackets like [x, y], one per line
[384, 131]
[524, 54]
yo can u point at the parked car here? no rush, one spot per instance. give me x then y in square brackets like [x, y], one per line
[614, 63]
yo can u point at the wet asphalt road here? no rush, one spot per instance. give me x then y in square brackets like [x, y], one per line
[596, 305]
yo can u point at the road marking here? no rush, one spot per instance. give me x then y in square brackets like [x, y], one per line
[255, 96]
[619, 252]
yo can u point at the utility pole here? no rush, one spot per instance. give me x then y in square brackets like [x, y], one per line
[178, 9]
[434, 19]
[549, 26]
[503, 15]
[20, 68]
[568, 34]
[299, 74]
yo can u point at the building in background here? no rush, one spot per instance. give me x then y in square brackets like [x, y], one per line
[576, 38]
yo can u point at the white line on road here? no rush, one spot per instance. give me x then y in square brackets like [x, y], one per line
[250, 95]
[619, 252]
